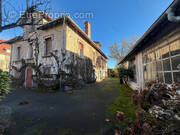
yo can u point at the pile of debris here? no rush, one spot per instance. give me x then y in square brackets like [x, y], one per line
[163, 103]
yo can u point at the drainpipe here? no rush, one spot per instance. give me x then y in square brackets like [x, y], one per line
[171, 15]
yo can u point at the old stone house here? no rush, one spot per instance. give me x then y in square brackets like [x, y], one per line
[56, 46]
[5, 51]
[156, 55]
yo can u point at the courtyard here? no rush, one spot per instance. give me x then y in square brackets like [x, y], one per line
[82, 112]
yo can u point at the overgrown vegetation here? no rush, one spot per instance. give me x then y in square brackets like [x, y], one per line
[121, 104]
[125, 74]
[158, 111]
[4, 83]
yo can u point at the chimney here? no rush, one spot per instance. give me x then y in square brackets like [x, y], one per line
[88, 29]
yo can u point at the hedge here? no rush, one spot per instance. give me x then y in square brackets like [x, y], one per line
[4, 83]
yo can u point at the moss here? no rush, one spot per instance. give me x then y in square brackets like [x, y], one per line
[110, 84]
[121, 103]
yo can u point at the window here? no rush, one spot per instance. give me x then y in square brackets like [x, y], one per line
[164, 66]
[30, 51]
[176, 77]
[81, 48]
[132, 65]
[94, 58]
[176, 63]
[18, 53]
[168, 77]
[175, 48]
[48, 46]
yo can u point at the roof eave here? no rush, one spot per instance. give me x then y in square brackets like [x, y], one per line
[67, 18]
[163, 15]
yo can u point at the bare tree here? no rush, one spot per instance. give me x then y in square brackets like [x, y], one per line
[118, 51]
[10, 14]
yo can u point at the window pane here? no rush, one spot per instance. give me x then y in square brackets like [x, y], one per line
[166, 65]
[145, 76]
[145, 59]
[176, 77]
[48, 43]
[30, 51]
[165, 52]
[175, 48]
[18, 53]
[159, 66]
[168, 78]
[176, 63]
[160, 77]
[150, 57]
[149, 71]
[154, 66]
[158, 54]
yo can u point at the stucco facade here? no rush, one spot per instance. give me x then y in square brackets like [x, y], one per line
[5, 51]
[4, 62]
[72, 44]
[63, 37]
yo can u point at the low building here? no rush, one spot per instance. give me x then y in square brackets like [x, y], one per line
[56, 46]
[156, 55]
[5, 51]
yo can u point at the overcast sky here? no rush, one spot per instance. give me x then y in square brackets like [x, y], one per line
[111, 20]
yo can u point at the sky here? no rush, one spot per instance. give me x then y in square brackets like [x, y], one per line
[111, 20]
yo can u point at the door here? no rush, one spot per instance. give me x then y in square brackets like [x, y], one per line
[29, 78]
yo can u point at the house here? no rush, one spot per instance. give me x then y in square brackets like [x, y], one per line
[56, 47]
[156, 55]
[5, 51]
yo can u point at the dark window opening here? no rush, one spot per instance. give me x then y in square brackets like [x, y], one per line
[81, 47]
[48, 46]
[18, 53]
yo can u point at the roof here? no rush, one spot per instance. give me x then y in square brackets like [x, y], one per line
[155, 31]
[4, 47]
[73, 25]
[15, 39]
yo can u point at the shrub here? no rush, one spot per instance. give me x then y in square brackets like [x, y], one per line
[4, 83]
[124, 74]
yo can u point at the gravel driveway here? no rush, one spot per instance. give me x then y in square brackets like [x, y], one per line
[83, 111]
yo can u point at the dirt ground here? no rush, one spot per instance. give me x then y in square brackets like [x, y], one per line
[82, 112]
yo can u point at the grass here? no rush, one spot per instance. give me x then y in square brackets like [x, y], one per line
[121, 103]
